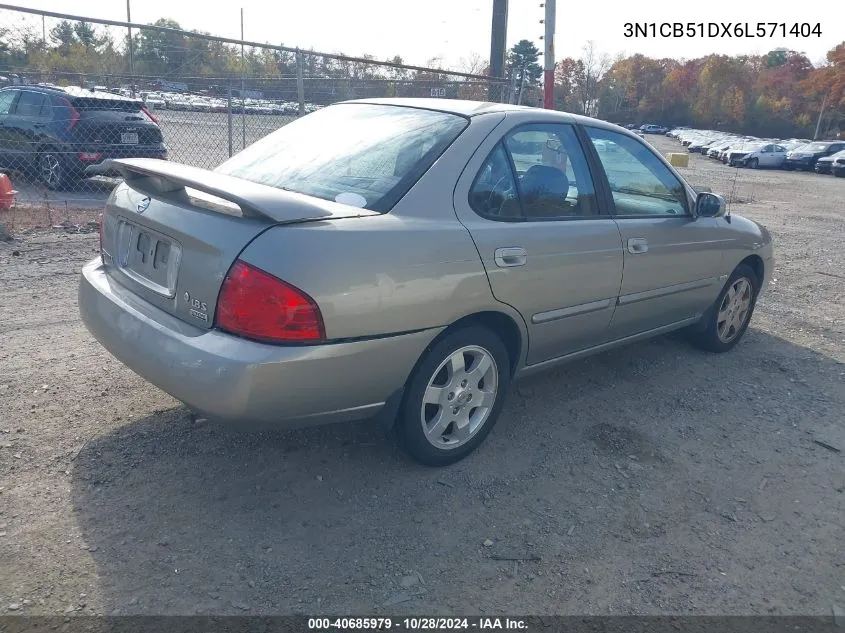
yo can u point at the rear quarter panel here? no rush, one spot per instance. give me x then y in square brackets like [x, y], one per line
[379, 275]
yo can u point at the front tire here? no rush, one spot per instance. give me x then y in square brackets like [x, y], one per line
[454, 396]
[728, 318]
[753, 163]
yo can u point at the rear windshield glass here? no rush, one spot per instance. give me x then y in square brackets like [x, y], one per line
[90, 103]
[359, 154]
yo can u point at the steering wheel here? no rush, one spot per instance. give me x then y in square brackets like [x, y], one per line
[502, 189]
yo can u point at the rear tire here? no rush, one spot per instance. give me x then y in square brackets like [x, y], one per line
[727, 319]
[438, 423]
[51, 170]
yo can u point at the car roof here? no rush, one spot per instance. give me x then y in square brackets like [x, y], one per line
[71, 91]
[468, 108]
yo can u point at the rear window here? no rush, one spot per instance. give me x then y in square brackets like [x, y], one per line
[92, 103]
[364, 155]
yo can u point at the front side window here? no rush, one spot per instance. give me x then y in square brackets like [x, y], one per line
[360, 154]
[7, 97]
[640, 183]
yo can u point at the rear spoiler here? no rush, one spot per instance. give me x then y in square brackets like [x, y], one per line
[164, 179]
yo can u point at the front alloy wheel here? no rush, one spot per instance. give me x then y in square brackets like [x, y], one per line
[727, 319]
[734, 310]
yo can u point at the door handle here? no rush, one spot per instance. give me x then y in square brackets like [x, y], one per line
[511, 256]
[637, 245]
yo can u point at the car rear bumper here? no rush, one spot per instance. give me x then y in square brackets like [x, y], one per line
[230, 379]
[798, 163]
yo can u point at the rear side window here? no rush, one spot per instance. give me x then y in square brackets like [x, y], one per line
[493, 194]
[30, 104]
[552, 174]
[537, 172]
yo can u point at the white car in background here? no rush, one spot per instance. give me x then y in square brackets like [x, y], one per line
[770, 155]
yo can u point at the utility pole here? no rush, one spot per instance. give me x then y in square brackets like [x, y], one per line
[498, 42]
[43, 32]
[131, 55]
[549, 57]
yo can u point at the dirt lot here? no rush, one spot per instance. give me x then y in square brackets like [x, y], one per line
[655, 479]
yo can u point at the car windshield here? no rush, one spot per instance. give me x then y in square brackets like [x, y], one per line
[816, 147]
[365, 155]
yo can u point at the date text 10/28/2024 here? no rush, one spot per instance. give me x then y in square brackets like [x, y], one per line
[721, 29]
[417, 624]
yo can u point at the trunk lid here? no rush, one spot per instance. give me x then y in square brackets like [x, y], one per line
[171, 232]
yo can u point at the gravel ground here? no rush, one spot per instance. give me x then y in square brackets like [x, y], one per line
[654, 479]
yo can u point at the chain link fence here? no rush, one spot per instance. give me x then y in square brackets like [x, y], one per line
[76, 92]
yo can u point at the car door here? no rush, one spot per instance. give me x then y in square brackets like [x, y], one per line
[7, 103]
[672, 260]
[765, 156]
[528, 200]
[778, 156]
[27, 125]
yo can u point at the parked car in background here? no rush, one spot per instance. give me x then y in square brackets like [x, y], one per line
[64, 134]
[716, 149]
[769, 155]
[825, 164]
[805, 156]
[735, 155]
[386, 274]
[838, 167]
[653, 129]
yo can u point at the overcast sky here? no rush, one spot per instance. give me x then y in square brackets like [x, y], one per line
[456, 29]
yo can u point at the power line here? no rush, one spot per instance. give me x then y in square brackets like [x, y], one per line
[228, 40]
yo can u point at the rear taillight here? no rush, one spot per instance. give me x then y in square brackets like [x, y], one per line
[149, 114]
[259, 306]
[73, 113]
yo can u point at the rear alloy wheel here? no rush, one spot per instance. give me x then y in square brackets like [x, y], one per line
[51, 171]
[753, 163]
[454, 397]
[728, 318]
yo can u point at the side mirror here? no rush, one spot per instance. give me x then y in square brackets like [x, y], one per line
[710, 205]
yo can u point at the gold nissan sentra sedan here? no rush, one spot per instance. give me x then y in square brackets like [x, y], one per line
[403, 260]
